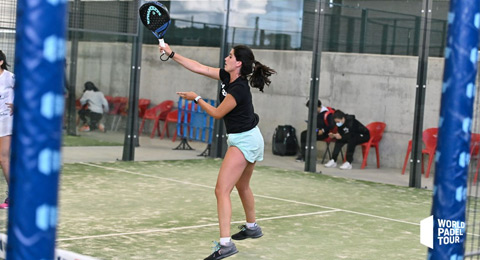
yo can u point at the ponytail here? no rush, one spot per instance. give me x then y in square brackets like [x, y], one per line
[3, 57]
[259, 77]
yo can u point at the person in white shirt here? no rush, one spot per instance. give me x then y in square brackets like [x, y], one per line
[7, 82]
[96, 105]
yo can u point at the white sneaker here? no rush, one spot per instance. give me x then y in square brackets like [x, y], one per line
[331, 164]
[346, 166]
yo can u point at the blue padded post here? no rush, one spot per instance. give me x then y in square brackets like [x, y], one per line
[179, 117]
[452, 155]
[37, 128]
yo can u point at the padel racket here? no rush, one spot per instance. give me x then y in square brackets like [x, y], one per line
[156, 18]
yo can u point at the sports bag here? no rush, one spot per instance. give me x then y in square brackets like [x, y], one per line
[284, 141]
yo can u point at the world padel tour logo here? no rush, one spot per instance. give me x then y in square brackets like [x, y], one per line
[447, 232]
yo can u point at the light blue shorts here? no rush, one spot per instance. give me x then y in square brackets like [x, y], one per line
[249, 142]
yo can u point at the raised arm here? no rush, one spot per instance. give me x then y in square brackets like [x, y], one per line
[192, 65]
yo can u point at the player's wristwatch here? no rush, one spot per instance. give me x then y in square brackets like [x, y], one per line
[197, 99]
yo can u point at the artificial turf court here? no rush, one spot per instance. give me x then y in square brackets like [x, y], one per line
[167, 210]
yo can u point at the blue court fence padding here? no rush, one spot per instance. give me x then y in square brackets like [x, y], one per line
[37, 128]
[194, 120]
[455, 123]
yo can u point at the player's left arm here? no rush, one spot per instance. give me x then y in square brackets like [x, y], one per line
[227, 105]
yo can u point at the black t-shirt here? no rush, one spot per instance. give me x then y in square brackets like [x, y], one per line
[242, 118]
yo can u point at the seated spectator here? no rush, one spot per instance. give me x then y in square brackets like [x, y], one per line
[350, 132]
[93, 112]
[325, 124]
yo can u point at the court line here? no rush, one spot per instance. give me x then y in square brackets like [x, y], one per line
[193, 227]
[260, 196]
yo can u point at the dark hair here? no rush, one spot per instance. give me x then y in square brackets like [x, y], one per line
[338, 114]
[3, 57]
[319, 103]
[260, 72]
[90, 86]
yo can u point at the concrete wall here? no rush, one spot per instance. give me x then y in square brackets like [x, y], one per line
[373, 87]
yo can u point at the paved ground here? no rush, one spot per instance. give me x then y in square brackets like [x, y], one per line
[156, 149]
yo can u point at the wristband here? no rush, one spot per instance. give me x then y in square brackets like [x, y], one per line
[171, 55]
[196, 99]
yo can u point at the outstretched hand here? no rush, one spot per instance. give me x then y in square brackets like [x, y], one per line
[187, 95]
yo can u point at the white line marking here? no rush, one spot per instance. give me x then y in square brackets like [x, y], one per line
[260, 196]
[194, 227]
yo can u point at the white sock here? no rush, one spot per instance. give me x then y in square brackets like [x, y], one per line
[251, 225]
[224, 240]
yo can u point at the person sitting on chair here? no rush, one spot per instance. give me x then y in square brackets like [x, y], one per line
[96, 106]
[350, 132]
[325, 124]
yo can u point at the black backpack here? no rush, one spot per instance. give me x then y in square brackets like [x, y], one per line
[284, 140]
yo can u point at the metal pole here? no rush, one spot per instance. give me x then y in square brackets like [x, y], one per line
[219, 142]
[363, 30]
[311, 144]
[71, 123]
[423, 50]
[131, 132]
[455, 125]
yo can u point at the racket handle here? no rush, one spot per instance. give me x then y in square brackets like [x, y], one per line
[162, 43]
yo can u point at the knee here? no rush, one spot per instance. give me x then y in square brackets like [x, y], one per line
[242, 188]
[221, 192]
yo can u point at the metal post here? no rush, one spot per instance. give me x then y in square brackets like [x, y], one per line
[311, 144]
[394, 37]
[383, 48]
[71, 123]
[350, 34]
[131, 132]
[363, 30]
[423, 50]
[334, 39]
[416, 35]
[219, 142]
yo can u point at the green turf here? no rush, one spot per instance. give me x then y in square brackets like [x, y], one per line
[170, 212]
[69, 140]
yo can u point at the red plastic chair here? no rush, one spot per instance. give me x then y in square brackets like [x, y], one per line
[109, 100]
[120, 106]
[143, 106]
[429, 138]
[376, 133]
[157, 113]
[475, 152]
[172, 117]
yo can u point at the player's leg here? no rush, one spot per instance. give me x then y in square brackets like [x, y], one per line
[5, 142]
[250, 229]
[230, 172]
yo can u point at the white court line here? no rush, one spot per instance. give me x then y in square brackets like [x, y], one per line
[261, 196]
[193, 227]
